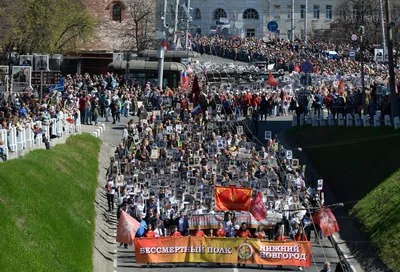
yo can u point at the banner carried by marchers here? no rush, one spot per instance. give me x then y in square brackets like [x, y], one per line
[232, 198]
[222, 250]
[127, 227]
[257, 208]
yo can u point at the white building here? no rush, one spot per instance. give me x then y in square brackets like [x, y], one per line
[254, 16]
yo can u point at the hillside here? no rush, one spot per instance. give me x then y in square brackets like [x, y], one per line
[361, 167]
[47, 210]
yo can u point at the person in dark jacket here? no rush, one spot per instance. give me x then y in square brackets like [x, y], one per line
[183, 224]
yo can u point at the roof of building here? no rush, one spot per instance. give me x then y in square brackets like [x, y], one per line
[169, 54]
[146, 65]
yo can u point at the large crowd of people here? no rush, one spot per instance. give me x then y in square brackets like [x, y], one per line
[325, 75]
[168, 164]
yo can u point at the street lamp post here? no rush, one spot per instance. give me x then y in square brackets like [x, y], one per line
[392, 79]
[362, 32]
[160, 52]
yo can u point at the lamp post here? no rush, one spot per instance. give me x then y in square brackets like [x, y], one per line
[362, 32]
[160, 52]
[292, 22]
[392, 79]
[306, 21]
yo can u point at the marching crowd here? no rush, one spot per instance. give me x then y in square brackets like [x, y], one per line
[166, 168]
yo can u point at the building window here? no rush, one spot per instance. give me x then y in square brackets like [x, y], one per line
[250, 14]
[116, 12]
[277, 12]
[302, 11]
[277, 34]
[250, 33]
[303, 34]
[289, 11]
[219, 13]
[197, 13]
[328, 13]
[289, 34]
[316, 12]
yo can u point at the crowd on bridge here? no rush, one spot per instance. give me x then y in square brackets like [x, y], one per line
[325, 76]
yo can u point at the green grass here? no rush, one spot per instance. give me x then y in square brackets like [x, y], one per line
[361, 164]
[46, 208]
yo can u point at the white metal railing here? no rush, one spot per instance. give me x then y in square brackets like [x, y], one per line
[349, 120]
[13, 141]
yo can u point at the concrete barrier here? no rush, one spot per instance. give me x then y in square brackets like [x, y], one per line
[396, 122]
[388, 122]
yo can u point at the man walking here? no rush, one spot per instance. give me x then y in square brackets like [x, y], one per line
[110, 191]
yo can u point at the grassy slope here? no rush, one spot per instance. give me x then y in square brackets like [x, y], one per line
[46, 208]
[361, 164]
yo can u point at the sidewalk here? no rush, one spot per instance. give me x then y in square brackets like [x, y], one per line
[352, 244]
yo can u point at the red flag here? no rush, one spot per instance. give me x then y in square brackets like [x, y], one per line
[257, 207]
[195, 91]
[296, 68]
[70, 120]
[232, 198]
[127, 227]
[271, 80]
[164, 45]
[325, 219]
[341, 86]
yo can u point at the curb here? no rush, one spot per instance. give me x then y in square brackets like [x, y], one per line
[99, 131]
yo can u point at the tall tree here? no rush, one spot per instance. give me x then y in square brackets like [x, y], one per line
[351, 14]
[139, 26]
[44, 26]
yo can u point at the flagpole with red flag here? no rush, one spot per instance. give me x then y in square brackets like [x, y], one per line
[325, 219]
[127, 228]
[195, 94]
[341, 86]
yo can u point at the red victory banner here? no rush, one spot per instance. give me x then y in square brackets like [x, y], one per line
[127, 227]
[257, 207]
[272, 81]
[325, 219]
[222, 250]
[232, 198]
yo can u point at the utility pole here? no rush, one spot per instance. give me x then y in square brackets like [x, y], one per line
[160, 52]
[362, 32]
[292, 22]
[392, 79]
[127, 59]
[306, 22]
[382, 29]
[176, 20]
[187, 26]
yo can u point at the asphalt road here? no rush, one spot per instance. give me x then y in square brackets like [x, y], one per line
[322, 252]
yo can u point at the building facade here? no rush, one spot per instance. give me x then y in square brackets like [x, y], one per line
[249, 18]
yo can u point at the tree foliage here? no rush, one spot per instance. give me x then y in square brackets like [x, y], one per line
[44, 26]
[138, 28]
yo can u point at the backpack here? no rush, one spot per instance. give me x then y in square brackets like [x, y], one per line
[116, 107]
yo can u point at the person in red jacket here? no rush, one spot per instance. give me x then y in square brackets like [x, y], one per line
[199, 232]
[220, 231]
[243, 232]
[300, 236]
[150, 232]
[175, 232]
